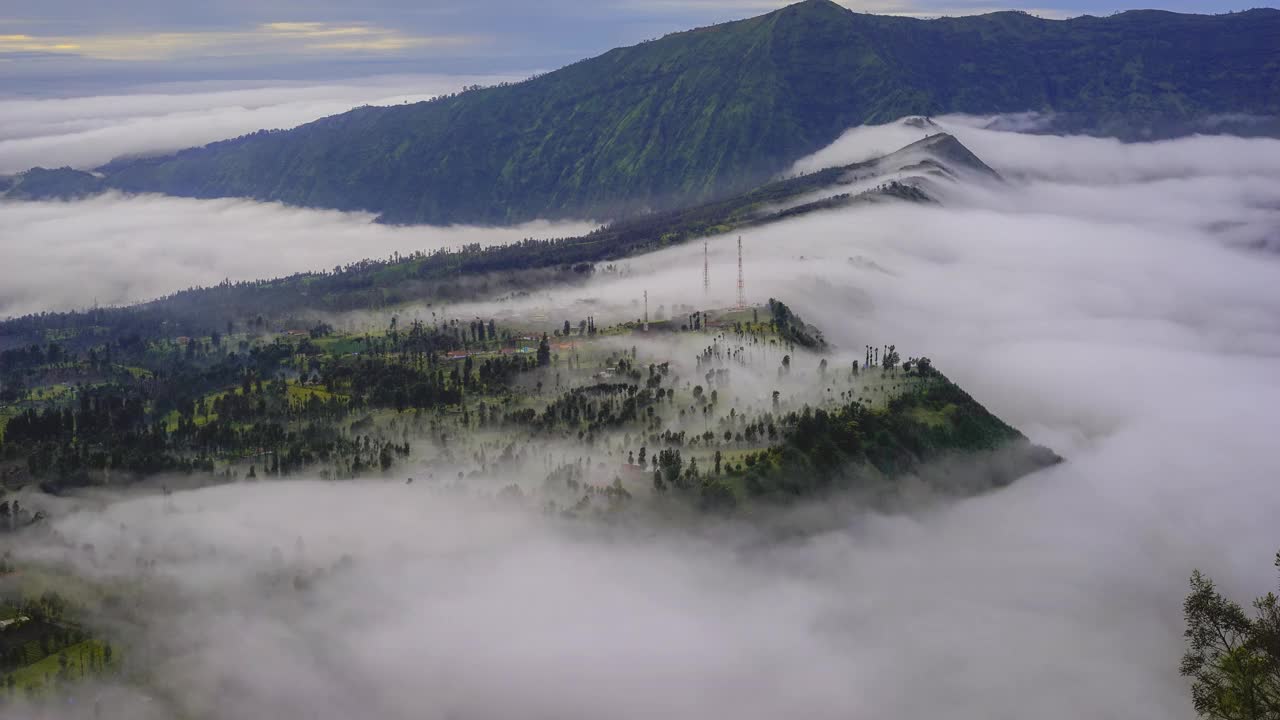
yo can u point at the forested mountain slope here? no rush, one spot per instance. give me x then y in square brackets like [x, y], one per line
[907, 175]
[699, 114]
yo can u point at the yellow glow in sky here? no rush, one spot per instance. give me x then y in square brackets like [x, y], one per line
[267, 39]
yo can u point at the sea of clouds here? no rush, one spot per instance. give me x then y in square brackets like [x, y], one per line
[1118, 303]
[116, 249]
[85, 132]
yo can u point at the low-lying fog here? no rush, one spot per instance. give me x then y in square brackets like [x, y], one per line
[1127, 316]
[121, 249]
[115, 249]
[85, 132]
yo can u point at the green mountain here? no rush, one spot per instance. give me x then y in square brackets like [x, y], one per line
[702, 113]
[45, 184]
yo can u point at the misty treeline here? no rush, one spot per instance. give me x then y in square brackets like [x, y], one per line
[1233, 656]
[792, 328]
[856, 447]
[280, 304]
[125, 407]
[283, 404]
[469, 271]
[45, 627]
[781, 455]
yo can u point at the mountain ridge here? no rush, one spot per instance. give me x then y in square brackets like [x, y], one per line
[710, 111]
[910, 174]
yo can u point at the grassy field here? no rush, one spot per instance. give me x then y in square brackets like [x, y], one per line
[50, 393]
[72, 663]
[136, 372]
[46, 394]
[303, 393]
[340, 344]
[171, 420]
[47, 662]
[933, 418]
[295, 393]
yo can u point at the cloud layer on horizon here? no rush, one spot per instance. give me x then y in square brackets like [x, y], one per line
[115, 249]
[85, 132]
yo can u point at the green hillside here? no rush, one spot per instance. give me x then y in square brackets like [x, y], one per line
[714, 110]
[44, 184]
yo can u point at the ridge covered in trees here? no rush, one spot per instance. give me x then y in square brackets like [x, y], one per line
[477, 270]
[700, 114]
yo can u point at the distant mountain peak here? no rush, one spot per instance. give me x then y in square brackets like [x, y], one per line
[946, 149]
[814, 7]
[704, 114]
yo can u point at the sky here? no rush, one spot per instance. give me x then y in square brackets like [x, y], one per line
[79, 47]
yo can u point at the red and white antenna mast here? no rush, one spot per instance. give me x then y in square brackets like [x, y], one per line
[742, 285]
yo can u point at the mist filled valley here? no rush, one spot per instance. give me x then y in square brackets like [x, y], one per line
[936, 417]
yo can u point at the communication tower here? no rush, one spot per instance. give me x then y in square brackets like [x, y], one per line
[706, 270]
[742, 285]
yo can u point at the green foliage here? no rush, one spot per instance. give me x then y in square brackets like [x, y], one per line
[1232, 659]
[702, 113]
[61, 184]
[792, 328]
[857, 447]
[41, 649]
[143, 406]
